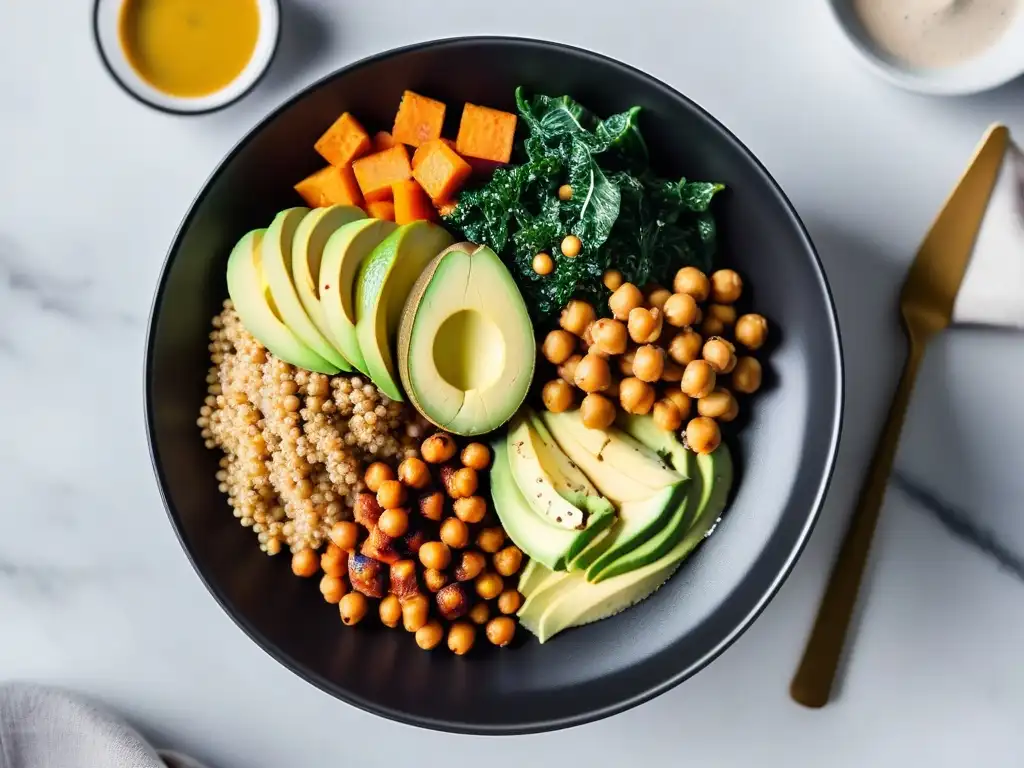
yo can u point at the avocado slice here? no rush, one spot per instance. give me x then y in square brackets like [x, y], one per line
[544, 543]
[385, 280]
[466, 348]
[569, 478]
[572, 601]
[532, 574]
[343, 255]
[248, 289]
[666, 444]
[307, 253]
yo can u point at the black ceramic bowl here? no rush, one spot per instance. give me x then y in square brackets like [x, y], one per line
[786, 450]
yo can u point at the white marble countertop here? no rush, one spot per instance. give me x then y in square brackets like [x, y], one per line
[96, 595]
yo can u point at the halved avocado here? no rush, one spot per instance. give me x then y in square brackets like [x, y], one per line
[385, 281]
[250, 294]
[466, 345]
[343, 255]
[311, 236]
[277, 258]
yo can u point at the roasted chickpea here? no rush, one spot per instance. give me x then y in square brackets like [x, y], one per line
[480, 613]
[470, 509]
[719, 354]
[489, 585]
[717, 405]
[626, 363]
[685, 347]
[666, 416]
[352, 608]
[726, 286]
[333, 589]
[415, 612]
[438, 448]
[609, 336]
[390, 610]
[464, 483]
[752, 331]
[391, 494]
[558, 346]
[452, 602]
[724, 313]
[681, 309]
[476, 456]
[394, 522]
[334, 561]
[571, 246]
[435, 554]
[576, 316]
[612, 393]
[698, 379]
[597, 411]
[703, 435]
[592, 373]
[543, 264]
[649, 363]
[377, 474]
[712, 326]
[565, 193]
[455, 533]
[434, 579]
[645, 324]
[557, 395]
[612, 279]
[344, 535]
[508, 560]
[490, 540]
[567, 370]
[692, 281]
[414, 473]
[657, 296]
[471, 565]
[305, 563]
[636, 396]
[746, 376]
[509, 601]
[461, 637]
[625, 299]
[432, 506]
[430, 635]
[681, 401]
[501, 630]
[672, 372]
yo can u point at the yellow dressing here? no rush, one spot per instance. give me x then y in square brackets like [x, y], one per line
[189, 48]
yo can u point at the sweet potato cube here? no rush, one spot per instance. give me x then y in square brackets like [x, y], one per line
[486, 133]
[330, 186]
[367, 575]
[441, 172]
[403, 579]
[344, 141]
[366, 510]
[380, 546]
[411, 202]
[377, 172]
[383, 140]
[419, 119]
[381, 209]
[426, 148]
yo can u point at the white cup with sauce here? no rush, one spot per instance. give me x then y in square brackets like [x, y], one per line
[187, 57]
[943, 47]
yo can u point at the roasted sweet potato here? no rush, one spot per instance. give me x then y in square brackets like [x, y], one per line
[403, 579]
[330, 186]
[441, 172]
[424, 149]
[366, 510]
[411, 202]
[381, 209]
[377, 172]
[486, 133]
[344, 141]
[383, 140]
[414, 538]
[419, 119]
[380, 546]
[367, 575]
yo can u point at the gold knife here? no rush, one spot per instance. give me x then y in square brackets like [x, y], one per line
[926, 306]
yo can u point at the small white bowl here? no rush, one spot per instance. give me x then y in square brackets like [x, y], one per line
[106, 23]
[997, 65]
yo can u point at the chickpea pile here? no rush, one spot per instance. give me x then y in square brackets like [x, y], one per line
[424, 551]
[657, 353]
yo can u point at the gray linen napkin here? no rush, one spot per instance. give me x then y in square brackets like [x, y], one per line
[44, 727]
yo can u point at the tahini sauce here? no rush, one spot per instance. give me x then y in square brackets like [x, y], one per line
[935, 33]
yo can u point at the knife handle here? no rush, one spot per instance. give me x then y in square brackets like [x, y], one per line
[813, 680]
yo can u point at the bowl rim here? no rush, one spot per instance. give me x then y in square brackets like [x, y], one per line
[525, 726]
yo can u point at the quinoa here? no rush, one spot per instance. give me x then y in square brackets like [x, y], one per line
[295, 443]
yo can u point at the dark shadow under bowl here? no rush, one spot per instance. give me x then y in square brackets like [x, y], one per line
[786, 449]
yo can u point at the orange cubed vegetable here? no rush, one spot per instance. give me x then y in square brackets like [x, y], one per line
[441, 172]
[425, 148]
[486, 133]
[383, 140]
[344, 141]
[330, 186]
[411, 202]
[381, 209]
[419, 119]
[377, 172]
